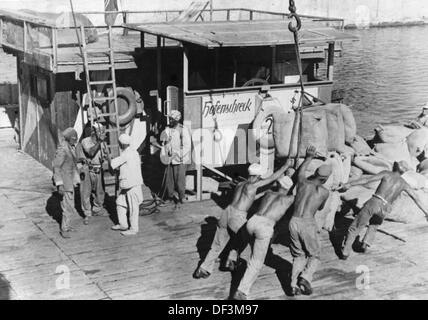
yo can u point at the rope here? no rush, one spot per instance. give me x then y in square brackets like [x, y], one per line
[157, 200]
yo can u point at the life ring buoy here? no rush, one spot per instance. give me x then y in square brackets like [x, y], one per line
[263, 124]
[255, 82]
[131, 101]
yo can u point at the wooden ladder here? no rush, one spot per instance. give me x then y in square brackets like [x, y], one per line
[112, 112]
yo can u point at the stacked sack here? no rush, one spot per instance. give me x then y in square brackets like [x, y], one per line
[327, 127]
[393, 143]
[332, 129]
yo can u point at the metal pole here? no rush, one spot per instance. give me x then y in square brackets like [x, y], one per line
[21, 107]
[159, 66]
[211, 10]
[330, 61]
[185, 69]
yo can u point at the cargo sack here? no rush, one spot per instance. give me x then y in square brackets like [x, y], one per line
[372, 164]
[355, 173]
[423, 166]
[417, 142]
[325, 217]
[357, 195]
[396, 152]
[405, 210]
[424, 173]
[360, 146]
[339, 172]
[415, 180]
[347, 165]
[263, 121]
[391, 133]
[349, 122]
[314, 132]
[335, 127]
[338, 175]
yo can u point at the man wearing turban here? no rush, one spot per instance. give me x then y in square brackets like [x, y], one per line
[177, 144]
[130, 180]
[66, 178]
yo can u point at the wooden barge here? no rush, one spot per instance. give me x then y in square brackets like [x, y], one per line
[217, 58]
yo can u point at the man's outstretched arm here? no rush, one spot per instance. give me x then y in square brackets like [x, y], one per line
[417, 200]
[310, 154]
[275, 176]
[364, 180]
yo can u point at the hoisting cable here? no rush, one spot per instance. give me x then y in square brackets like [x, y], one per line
[298, 119]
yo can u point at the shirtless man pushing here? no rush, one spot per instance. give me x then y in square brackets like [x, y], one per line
[375, 209]
[235, 215]
[272, 208]
[305, 247]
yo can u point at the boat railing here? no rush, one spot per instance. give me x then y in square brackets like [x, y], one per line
[39, 39]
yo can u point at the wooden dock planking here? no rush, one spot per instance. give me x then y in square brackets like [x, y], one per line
[158, 263]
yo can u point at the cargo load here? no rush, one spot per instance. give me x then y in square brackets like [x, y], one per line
[417, 142]
[314, 132]
[349, 122]
[391, 133]
[395, 152]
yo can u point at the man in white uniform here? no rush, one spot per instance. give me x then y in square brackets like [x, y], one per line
[130, 181]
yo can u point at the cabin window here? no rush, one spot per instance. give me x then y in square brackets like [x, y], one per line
[222, 68]
[40, 88]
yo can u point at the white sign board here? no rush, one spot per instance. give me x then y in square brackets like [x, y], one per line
[232, 109]
[229, 109]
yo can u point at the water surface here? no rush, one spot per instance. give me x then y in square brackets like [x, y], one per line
[384, 76]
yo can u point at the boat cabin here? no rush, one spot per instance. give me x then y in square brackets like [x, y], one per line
[216, 69]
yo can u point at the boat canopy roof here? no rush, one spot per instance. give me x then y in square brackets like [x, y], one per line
[241, 33]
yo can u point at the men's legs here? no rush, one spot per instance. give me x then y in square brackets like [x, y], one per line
[236, 222]
[375, 222]
[122, 209]
[299, 256]
[360, 221]
[313, 250]
[220, 240]
[85, 194]
[180, 180]
[134, 196]
[263, 232]
[98, 191]
[169, 181]
[67, 206]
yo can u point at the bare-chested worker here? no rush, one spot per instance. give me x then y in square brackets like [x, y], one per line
[235, 215]
[261, 226]
[375, 209]
[305, 247]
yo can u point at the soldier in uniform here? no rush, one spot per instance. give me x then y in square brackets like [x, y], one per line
[66, 177]
[91, 153]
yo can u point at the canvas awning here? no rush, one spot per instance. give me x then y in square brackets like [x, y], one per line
[241, 33]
